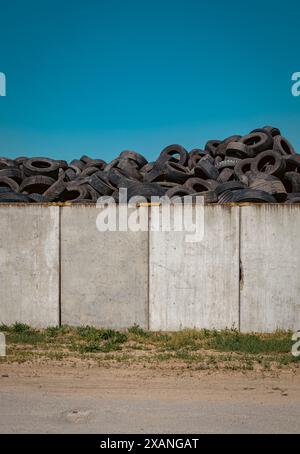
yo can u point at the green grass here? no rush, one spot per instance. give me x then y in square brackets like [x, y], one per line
[232, 340]
[200, 349]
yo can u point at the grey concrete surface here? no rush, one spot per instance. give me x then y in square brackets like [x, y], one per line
[156, 279]
[40, 412]
[196, 284]
[29, 265]
[104, 275]
[270, 260]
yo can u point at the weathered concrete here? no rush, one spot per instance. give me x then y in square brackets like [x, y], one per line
[116, 279]
[196, 284]
[104, 275]
[29, 265]
[270, 259]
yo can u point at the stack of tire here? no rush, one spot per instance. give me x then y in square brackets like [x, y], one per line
[260, 167]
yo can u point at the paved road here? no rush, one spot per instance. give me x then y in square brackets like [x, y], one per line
[109, 402]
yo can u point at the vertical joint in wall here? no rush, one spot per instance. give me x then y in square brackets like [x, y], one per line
[59, 265]
[240, 267]
[148, 270]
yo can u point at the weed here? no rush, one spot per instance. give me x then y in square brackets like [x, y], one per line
[138, 331]
[20, 328]
[92, 334]
[231, 340]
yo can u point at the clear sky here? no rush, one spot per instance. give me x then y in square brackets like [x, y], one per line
[101, 76]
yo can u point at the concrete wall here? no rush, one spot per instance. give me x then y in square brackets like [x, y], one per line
[270, 261]
[104, 275]
[55, 263]
[29, 265]
[196, 284]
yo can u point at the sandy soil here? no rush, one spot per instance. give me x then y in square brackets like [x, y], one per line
[54, 397]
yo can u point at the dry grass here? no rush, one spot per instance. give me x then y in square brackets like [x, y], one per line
[197, 349]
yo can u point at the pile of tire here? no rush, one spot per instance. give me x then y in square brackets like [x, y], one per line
[260, 167]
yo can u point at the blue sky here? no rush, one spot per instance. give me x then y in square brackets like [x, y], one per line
[97, 77]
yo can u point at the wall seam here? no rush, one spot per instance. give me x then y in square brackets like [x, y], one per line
[240, 266]
[148, 270]
[59, 265]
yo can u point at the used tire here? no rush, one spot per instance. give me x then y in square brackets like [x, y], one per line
[6, 182]
[229, 186]
[179, 191]
[175, 172]
[13, 173]
[54, 192]
[238, 150]
[283, 146]
[41, 167]
[36, 184]
[200, 185]
[211, 147]
[136, 157]
[206, 170]
[226, 175]
[98, 183]
[269, 162]
[227, 163]
[252, 195]
[291, 181]
[242, 167]
[174, 153]
[74, 193]
[225, 197]
[146, 190]
[258, 142]
[270, 184]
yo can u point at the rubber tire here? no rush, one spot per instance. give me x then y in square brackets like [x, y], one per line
[170, 151]
[6, 182]
[230, 186]
[175, 172]
[41, 166]
[200, 185]
[265, 142]
[36, 184]
[253, 196]
[136, 157]
[283, 146]
[12, 172]
[238, 150]
[206, 170]
[276, 167]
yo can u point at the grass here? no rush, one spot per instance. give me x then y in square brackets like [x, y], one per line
[232, 340]
[199, 349]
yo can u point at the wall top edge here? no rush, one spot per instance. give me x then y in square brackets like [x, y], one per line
[93, 204]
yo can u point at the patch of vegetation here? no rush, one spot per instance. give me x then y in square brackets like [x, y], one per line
[186, 339]
[196, 349]
[232, 340]
[138, 331]
[92, 334]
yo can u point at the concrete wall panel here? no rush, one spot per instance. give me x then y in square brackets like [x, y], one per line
[29, 265]
[270, 260]
[104, 275]
[196, 284]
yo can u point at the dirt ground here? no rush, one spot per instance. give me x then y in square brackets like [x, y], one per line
[82, 397]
